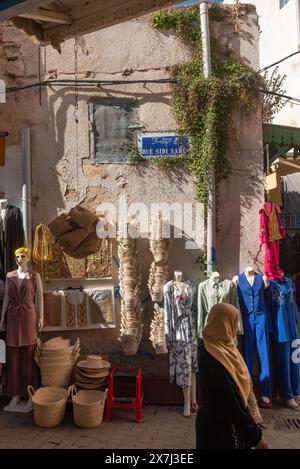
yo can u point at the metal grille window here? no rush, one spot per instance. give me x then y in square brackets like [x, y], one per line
[114, 124]
[282, 3]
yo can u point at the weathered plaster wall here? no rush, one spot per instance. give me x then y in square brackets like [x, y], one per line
[18, 67]
[64, 173]
[241, 195]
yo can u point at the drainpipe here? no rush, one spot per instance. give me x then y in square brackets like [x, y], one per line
[211, 202]
[297, 7]
[26, 189]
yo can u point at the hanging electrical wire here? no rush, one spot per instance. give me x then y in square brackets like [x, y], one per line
[98, 83]
[81, 83]
[280, 95]
[279, 61]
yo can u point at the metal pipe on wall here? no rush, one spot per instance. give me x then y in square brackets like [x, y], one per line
[26, 189]
[297, 7]
[211, 201]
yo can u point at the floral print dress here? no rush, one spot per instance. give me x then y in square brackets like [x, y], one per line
[180, 330]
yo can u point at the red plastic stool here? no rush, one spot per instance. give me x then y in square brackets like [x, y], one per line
[121, 377]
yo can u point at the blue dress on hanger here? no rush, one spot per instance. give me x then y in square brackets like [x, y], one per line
[283, 311]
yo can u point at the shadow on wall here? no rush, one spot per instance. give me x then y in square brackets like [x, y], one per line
[66, 97]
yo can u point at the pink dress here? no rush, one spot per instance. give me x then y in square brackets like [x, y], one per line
[271, 232]
[22, 325]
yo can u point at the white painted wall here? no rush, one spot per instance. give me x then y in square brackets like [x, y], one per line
[279, 37]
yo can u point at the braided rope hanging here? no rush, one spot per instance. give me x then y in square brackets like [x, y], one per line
[42, 250]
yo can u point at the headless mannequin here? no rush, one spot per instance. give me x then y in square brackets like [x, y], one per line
[216, 277]
[3, 208]
[22, 261]
[250, 276]
[189, 394]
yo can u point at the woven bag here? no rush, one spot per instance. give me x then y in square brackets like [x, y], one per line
[49, 405]
[61, 225]
[88, 407]
[84, 218]
[71, 240]
[89, 246]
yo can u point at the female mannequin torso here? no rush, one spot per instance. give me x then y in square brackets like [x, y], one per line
[23, 307]
[250, 276]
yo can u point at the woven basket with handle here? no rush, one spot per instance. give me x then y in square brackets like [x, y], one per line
[49, 405]
[88, 407]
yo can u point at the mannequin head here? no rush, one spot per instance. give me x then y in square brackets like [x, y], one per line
[249, 270]
[3, 204]
[22, 256]
[216, 277]
[178, 276]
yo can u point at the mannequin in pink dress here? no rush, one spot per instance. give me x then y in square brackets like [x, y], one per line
[271, 231]
[22, 316]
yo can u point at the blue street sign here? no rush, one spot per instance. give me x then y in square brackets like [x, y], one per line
[156, 144]
[4, 4]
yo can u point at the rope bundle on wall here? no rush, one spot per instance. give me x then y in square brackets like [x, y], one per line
[42, 251]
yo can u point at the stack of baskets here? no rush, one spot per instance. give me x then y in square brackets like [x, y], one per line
[130, 288]
[159, 270]
[92, 373]
[56, 359]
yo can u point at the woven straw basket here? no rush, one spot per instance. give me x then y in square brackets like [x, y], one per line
[88, 407]
[49, 405]
[56, 375]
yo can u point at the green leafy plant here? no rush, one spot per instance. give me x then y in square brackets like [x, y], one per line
[134, 155]
[273, 103]
[166, 162]
[202, 261]
[203, 106]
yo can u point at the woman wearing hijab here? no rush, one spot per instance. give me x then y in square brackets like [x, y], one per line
[224, 420]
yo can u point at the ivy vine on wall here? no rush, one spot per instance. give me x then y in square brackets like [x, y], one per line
[204, 107]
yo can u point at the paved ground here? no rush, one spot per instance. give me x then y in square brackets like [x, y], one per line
[164, 427]
[281, 430]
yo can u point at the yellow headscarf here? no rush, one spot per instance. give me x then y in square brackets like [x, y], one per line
[218, 337]
[23, 250]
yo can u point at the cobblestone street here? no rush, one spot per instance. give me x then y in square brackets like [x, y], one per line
[163, 428]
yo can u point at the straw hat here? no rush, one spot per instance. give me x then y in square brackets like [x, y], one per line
[56, 343]
[93, 362]
[86, 374]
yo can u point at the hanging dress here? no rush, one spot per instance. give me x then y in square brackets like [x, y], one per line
[22, 328]
[271, 232]
[180, 331]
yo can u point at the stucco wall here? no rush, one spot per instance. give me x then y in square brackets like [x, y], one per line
[64, 173]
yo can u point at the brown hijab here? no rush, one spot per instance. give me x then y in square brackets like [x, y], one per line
[218, 337]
